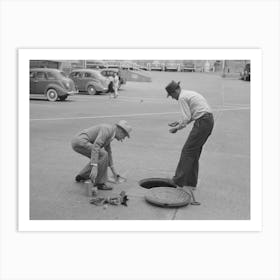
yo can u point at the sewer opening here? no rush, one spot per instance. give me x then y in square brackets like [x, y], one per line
[150, 183]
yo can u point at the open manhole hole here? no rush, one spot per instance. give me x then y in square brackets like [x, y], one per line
[150, 183]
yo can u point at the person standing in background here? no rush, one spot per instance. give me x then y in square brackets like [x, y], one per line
[116, 85]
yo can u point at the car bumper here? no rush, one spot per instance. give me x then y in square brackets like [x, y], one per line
[102, 89]
[72, 92]
[62, 91]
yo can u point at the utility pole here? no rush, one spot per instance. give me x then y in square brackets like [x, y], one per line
[224, 69]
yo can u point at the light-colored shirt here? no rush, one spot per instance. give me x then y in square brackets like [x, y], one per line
[193, 106]
[116, 81]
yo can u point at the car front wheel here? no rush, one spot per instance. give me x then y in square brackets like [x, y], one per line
[91, 90]
[52, 95]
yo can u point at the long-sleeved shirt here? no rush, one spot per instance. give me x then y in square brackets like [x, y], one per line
[193, 106]
[100, 136]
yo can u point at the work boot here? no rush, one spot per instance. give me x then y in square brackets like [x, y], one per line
[80, 178]
[104, 187]
[189, 190]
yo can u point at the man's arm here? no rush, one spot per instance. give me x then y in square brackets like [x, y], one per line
[97, 145]
[186, 117]
[110, 159]
[109, 151]
[186, 113]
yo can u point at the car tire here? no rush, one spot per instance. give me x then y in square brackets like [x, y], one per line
[91, 90]
[62, 98]
[52, 95]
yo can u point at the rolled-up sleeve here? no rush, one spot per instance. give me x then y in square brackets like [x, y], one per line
[109, 151]
[97, 145]
[185, 112]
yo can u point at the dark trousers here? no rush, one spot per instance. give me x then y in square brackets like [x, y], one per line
[187, 169]
[111, 87]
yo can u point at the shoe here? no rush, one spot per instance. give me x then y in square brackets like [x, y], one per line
[173, 183]
[80, 178]
[190, 190]
[104, 187]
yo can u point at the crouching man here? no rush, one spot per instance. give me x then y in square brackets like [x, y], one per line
[95, 143]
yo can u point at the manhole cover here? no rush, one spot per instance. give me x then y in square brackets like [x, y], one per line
[168, 197]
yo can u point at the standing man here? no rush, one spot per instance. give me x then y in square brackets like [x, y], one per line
[194, 107]
[95, 143]
[116, 85]
[111, 86]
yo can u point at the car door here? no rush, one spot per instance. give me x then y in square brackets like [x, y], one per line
[41, 82]
[88, 77]
[32, 82]
[78, 79]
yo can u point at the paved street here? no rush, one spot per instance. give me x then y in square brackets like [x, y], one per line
[224, 179]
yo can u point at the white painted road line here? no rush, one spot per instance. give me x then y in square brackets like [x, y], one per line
[108, 116]
[134, 115]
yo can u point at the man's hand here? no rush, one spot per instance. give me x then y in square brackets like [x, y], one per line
[115, 174]
[173, 130]
[173, 124]
[93, 173]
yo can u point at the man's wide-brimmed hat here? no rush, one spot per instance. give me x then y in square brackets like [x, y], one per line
[125, 126]
[170, 88]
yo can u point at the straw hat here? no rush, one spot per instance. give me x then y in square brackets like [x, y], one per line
[125, 126]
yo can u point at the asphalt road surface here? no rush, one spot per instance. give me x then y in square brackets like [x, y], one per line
[224, 178]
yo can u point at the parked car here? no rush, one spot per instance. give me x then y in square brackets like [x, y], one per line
[52, 83]
[110, 73]
[113, 65]
[90, 81]
[143, 67]
[127, 66]
[246, 73]
[170, 66]
[188, 67]
[95, 64]
[156, 66]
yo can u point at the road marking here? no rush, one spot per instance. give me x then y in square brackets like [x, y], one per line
[108, 116]
[235, 104]
[231, 109]
[134, 115]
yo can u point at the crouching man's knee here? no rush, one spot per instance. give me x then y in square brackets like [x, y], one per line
[75, 144]
[103, 156]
